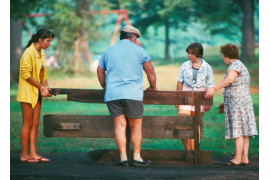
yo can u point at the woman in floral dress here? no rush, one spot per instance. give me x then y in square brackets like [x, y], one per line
[239, 115]
[194, 75]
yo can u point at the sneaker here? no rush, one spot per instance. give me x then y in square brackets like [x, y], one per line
[123, 163]
[140, 163]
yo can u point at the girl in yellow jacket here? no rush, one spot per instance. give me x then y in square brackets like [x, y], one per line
[33, 86]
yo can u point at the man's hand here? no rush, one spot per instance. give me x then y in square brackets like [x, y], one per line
[151, 89]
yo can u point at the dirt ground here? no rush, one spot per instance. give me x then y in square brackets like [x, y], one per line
[75, 166]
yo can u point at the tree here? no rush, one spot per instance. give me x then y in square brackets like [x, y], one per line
[228, 17]
[18, 11]
[167, 13]
[248, 42]
[74, 24]
[15, 49]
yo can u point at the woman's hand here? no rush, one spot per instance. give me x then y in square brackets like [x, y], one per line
[209, 93]
[45, 92]
[151, 89]
[221, 108]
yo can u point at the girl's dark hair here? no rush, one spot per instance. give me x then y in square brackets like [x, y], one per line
[196, 49]
[125, 35]
[42, 33]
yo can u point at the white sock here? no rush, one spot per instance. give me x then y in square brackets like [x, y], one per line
[123, 157]
[137, 157]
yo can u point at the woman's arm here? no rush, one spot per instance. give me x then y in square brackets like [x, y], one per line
[43, 89]
[46, 84]
[232, 75]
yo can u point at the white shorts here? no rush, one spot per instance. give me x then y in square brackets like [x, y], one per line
[192, 107]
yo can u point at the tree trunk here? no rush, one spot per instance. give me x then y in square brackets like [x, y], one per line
[167, 28]
[15, 49]
[247, 47]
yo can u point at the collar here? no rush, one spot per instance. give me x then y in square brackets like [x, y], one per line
[35, 51]
[202, 65]
[125, 40]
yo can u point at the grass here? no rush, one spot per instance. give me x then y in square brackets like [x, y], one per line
[214, 123]
[213, 138]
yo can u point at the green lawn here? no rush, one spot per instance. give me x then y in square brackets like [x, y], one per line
[213, 132]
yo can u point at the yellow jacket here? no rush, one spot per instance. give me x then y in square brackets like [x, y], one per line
[30, 65]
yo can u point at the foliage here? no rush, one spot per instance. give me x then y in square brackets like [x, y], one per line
[223, 17]
[188, 21]
[168, 14]
[21, 8]
[19, 12]
[230, 18]
[157, 12]
[73, 23]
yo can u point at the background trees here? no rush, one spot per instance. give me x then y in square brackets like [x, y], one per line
[231, 18]
[18, 14]
[167, 13]
[74, 24]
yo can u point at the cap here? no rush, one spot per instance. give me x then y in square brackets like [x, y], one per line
[131, 29]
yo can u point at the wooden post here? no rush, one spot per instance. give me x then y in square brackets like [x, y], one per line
[197, 116]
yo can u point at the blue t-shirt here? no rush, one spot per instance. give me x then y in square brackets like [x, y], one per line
[124, 65]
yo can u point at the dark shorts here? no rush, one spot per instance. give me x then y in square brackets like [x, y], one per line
[39, 96]
[130, 108]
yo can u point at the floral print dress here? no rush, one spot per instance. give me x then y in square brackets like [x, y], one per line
[238, 107]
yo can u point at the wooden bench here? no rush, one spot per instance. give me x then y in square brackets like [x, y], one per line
[160, 127]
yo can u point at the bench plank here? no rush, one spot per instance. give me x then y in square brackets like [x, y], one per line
[150, 97]
[101, 126]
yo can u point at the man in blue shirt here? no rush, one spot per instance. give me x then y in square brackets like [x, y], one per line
[123, 84]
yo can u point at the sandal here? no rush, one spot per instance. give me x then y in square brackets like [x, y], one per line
[230, 163]
[29, 160]
[244, 164]
[43, 160]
